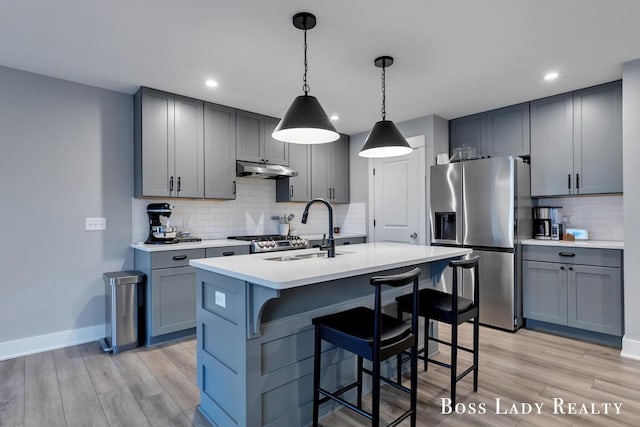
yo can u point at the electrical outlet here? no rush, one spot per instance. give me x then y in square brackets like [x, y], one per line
[95, 224]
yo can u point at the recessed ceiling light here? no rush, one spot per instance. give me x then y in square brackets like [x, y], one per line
[334, 117]
[211, 83]
[551, 76]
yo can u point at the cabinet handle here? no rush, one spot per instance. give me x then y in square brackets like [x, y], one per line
[569, 182]
[577, 181]
[178, 184]
[179, 257]
[171, 184]
[329, 193]
[228, 253]
[570, 268]
[291, 191]
[346, 243]
[567, 254]
[561, 268]
[333, 193]
[234, 187]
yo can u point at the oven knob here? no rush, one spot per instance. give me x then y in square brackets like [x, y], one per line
[261, 244]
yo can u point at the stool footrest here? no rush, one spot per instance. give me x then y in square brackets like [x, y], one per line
[470, 369]
[467, 349]
[388, 381]
[341, 401]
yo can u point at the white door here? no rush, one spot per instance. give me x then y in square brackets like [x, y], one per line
[398, 213]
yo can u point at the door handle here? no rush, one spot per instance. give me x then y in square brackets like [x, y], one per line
[569, 183]
[171, 184]
[414, 235]
[179, 184]
[234, 187]
[291, 191]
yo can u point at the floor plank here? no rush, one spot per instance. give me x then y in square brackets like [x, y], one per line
[12, 377]
[43, 403]
[138, 377]
[81, 404]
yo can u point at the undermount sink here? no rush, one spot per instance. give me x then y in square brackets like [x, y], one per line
[294, 257]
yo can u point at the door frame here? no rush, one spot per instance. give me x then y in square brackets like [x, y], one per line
[418, 143]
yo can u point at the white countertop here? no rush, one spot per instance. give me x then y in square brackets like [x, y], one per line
[350, 261]
[595, 244]
[335, 236]
[220, 243]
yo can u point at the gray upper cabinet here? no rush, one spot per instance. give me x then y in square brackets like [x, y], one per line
[576, 142]
[468, 131]
[501, 132]
[597, 139]
[168, 145]
[508, 131]
[254, 142]
[330, 170]
[552, 145]
[275, 152]
[298, 188]
[219, 152]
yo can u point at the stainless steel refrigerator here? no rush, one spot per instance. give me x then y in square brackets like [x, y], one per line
[485, 205]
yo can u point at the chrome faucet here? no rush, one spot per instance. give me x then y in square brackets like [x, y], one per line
[330, 246]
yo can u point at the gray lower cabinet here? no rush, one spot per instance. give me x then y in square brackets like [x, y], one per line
[297, 188]
[219, 152]
[576, 142]
[168, 145]
[576, 287]
[495, 133]
[171, 291]
[254, 142]
[330, 170]
[340, 241]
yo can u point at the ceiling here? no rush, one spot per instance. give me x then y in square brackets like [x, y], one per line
[452, 57]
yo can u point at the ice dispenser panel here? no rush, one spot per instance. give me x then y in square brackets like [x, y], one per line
[445, 226]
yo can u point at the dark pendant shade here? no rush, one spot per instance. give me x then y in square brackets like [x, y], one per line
[385, 140]
[305, 122]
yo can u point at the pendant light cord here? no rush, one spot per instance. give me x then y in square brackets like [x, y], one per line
[305, 86]
[384, 96]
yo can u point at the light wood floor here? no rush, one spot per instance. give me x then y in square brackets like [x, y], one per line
[81, 386]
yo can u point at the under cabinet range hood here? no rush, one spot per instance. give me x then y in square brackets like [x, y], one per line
[263, 170]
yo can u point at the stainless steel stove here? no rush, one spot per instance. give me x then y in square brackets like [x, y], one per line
[273, 242]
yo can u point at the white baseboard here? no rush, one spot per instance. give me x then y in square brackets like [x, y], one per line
[630, 348]
[40, 343]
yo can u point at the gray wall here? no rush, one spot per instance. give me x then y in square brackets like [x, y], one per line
[631, 200]
[67, 154]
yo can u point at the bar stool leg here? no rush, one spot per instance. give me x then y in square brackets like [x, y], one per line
[316, 377]
[399, 356]
[359, 389]
[414, 382]
[426, 343]
[454, 359]
[375, 395]
[476, 342]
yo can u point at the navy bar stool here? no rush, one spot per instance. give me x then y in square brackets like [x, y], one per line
[371, 335]
[443, 307]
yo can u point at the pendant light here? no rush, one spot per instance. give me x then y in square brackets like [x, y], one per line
[305, 122]
[384, 140]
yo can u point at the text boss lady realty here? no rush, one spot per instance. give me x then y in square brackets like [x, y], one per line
[560, 407]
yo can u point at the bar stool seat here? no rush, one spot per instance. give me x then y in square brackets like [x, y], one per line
[375, 336]
[440, 305]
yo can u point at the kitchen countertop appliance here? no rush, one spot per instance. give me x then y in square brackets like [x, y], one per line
[485, 205]
[160, 232]
[273, 242]
[547, 223]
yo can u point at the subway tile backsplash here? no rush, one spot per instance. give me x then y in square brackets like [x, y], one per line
[249, 214]
[602, 216]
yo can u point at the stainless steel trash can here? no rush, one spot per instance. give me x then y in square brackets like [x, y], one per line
[124, 310]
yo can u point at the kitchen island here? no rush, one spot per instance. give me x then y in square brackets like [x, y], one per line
[254, 332]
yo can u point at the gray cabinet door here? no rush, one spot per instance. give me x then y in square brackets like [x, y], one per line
[154, 142]
[320, 171]
[508, 131]
[552, 146]
[249, 137]
[297, 188]
[189, 148]
[597, 133]
[595, 299]
[275, 152]
[339, 170]
[544, 287]
[219, 152]
[173, 300]
[468, 131]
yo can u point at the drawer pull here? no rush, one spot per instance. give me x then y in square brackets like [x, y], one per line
[346, 243]
[179, 257]
[562, 268]
[228, 253]
[567, 254]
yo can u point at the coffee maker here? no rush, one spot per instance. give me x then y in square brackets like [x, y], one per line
[160, 233]
[547, 223]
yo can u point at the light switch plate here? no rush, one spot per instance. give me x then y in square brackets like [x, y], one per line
[95, 224]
